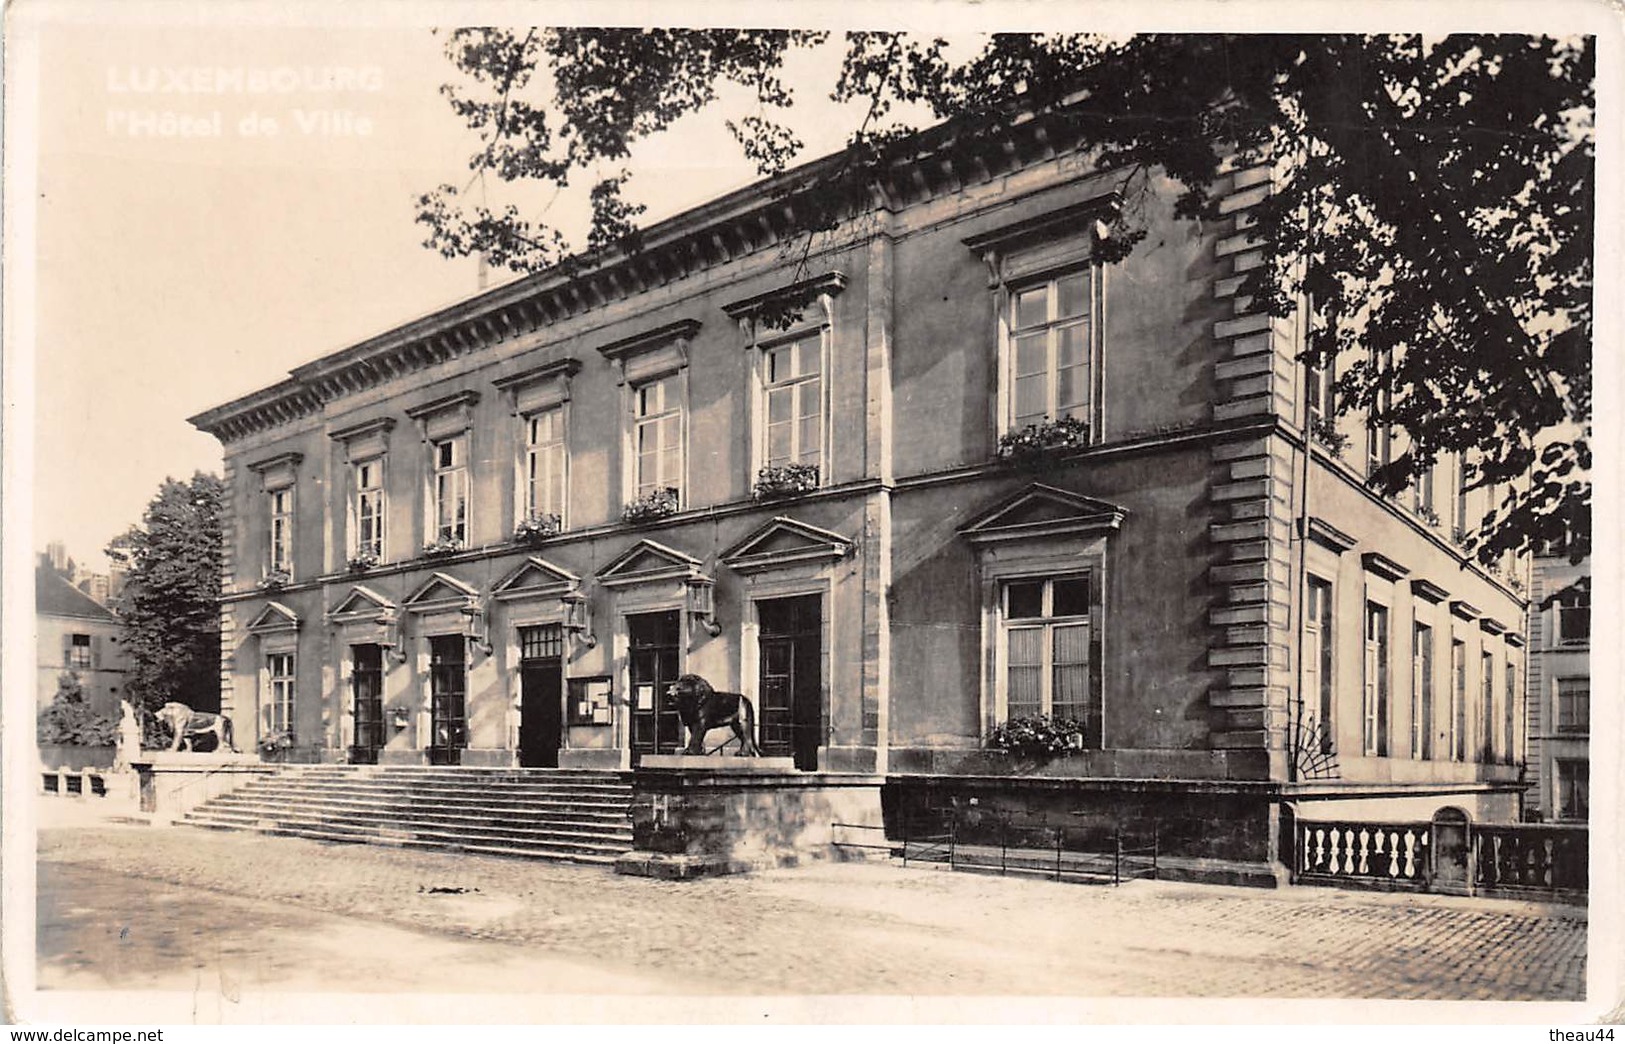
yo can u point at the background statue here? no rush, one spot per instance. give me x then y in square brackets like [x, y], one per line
[188, 725]
[127, 745]
[701, 708]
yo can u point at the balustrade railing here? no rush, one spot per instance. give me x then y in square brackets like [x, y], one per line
[1533, 856]
[1391, 852]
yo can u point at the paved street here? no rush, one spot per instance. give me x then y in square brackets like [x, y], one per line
[164, 908]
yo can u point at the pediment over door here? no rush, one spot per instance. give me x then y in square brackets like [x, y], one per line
[1043, 511]
[783, 542]
[361, 603]
[441, 591]
[535, 578]
[647, 562]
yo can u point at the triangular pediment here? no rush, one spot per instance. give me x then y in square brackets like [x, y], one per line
[362, 602]
[536, 577]
[274, 617]
[784, 541]
[646, 561]
[441, 590]
[1041, 510]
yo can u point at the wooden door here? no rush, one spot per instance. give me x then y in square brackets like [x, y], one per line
[448, 694]
[655, 639]
[367, 703]
[541, 695]
[790, 686]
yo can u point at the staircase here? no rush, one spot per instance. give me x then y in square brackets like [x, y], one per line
[563, 815]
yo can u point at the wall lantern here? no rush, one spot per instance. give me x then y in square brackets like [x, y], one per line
[702, 603]
[577, 617]
[475, 628]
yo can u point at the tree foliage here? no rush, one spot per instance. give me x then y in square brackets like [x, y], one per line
[1431, 201]
[69, 721]
[170, 606]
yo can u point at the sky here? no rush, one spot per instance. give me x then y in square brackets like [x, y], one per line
[176, 271]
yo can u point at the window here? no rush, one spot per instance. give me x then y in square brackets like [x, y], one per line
[1510, 719]
[1376, 679]
[657, 437]
[367, 508]
[793, 396]
[544, 464]
[1458, 700]
[451, 490]
[1422, 494]
[1050, 349]
[281, 531]
[1574, 705]
[1321, 381]
[1573, 786]
[1486, 720]
[1379, 438]
[1422, 692]
[1573, 611]
[1319, 676]
[77, 654]
[1047, 641]
[279, 677]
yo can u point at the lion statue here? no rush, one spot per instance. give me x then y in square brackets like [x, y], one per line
[701, 708]
[188, 726]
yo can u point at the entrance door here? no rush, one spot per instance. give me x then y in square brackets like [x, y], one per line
[791, 683]
[654, 638]
[541, 695]
[367, 703]
[448, 707]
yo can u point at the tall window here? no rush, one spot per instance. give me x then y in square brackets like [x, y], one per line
[1574, 705]
[1422, 493]
[544, 463]
[1379, 438]
[1049, 357]
[1422, 692]
[1458, 700]
[1573, 617]
[279, 675]
[281, 531]
[1510, 718]
[1376, 679]
[1046, 634]
[1321, 380]
[451, 490]
[78, 656]
[1573, 786]
[367, 507]
[1486, 726]
[1319, 677]
[793, 382]
[658, 436]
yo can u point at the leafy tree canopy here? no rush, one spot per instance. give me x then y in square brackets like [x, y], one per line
[69, 721]
[170, 606]
[1432, 202]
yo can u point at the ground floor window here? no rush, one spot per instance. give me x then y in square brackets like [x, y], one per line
[1376, 679]
[1573, 785]
[280, 686]
[1047, 641]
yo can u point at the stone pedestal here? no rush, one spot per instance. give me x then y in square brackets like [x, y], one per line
[174, 784]
[701, 816]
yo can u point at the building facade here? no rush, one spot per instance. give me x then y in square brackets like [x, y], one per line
[1559, 697]
[899, 481]
[76, 636]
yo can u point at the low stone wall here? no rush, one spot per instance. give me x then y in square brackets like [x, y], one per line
[174, 784]
[1215, 831]
[700, 816]
[58, 756]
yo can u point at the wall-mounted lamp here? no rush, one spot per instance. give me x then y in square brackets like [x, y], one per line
[475, 628]
[702, 603]
[394, 636]
[577, 616]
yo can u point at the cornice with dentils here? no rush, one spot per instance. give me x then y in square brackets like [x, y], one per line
[731, 226]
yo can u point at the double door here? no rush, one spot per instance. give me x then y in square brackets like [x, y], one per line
[366, 703]
[655, 640]
[541, 695]
[448, 699]
[791, 680]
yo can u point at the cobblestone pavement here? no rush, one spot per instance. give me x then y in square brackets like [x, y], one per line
[820, 929]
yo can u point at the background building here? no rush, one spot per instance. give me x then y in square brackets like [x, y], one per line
[76, 635]
[1559, 700]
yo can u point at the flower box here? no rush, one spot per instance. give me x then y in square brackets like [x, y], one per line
[442, 547]
[1324, 431]
[1040, 736]
[658, 504]
[1037, 443]
[534, 529]
[361, 562]
[785, 480]
[275, 580]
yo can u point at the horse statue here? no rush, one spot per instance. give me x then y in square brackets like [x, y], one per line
[701, 708]
[188, 725]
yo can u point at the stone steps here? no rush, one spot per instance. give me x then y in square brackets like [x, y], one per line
[561, 815]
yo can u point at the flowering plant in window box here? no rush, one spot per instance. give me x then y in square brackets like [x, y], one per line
[441, 546]
[1324, 431]
[275, 580]
[275, 745]
[1428, 515]
[533, 529]
[784, 480]
[1035, 442]
[1040, 736]
[656, 504]
[361, 561]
